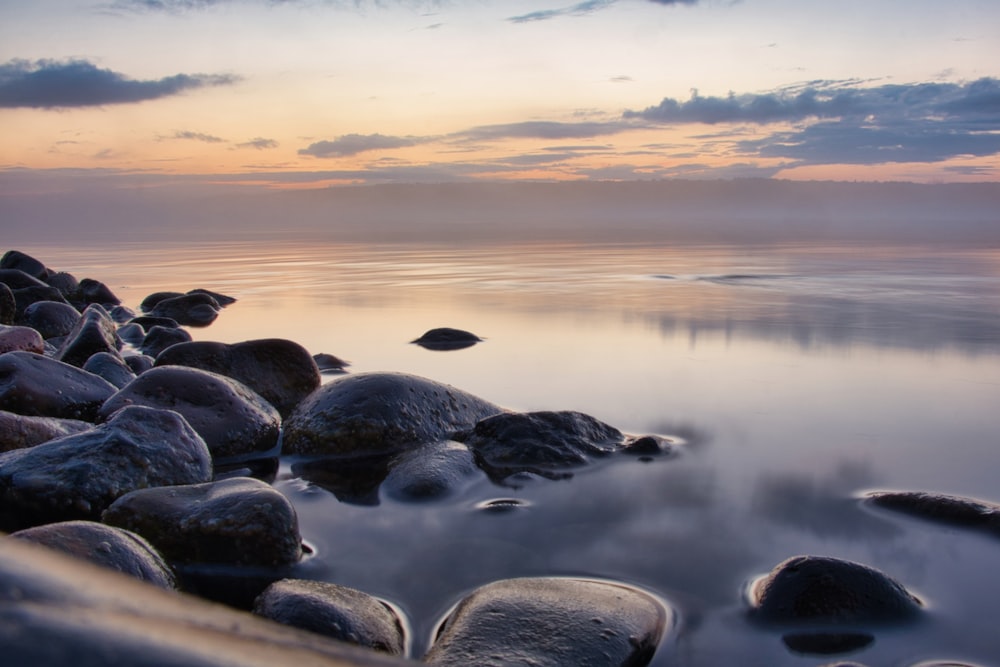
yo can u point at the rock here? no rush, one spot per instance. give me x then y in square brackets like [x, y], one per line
[447, 339]
[647, 445]
[23, 339]
[26, 296]
[15, 259]
[196, 310]
[220, 299]
[132, 333]
[51, 318]
[78, 476]
[160, 338]
[430, 471]
[816, 589]
[335, 611]
[37, 386]
[237, 521]
[17, 279]
[95, 332]
[94, 291]
[281, 371]
[138, 363]
[156, 297]
[111, 367]
[231, 418]
[8, 305]
[62, 611]
[551, 621]
[106, 546]
[379, 413]
[121, 314]
[827, 643]
[18, 431]
[147, 322]
[66, 283]
[354, 480]
[544, 443]
[327, 363]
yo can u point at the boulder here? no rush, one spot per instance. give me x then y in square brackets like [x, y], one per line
[66, 283]
[379, 413]
[132, 333]
[147, 322]
[106, 546]
[18, 431]
[37, 386]
[26, 296]
[431, 471]
[232, 419]
[138, 363]
[95, 332]
[111, 367]
[335, 611]
[150, 301]
[24, 339]
[121, 314]
[328, 363]
[281, 371]
[160, 338]
[196, 310]
[221, 299]
[8, 305]
[17, 279]
[94, 291]
[78, 476]
[445, 338]
[15, 259]
[552, 622]
[51, 318]
[236, 521]
[951, 510]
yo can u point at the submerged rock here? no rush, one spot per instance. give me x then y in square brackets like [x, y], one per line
[196, 310]
[328, 363]
[94, 291]
[37, 386]
[445, 338]
[94, 332]
[553, 622]
[51, 318]
[952, 510]
[379, 413]
[335, 611]
[232, 419]
[106, 546]
[19, 431]
[236, 521]
[24, 339]
[431, 471]
[78, 476]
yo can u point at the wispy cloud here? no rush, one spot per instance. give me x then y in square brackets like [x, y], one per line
[260, 143]
[352, 144]
[195, 136]
[540, 129]
[51, 84]
[583, 9]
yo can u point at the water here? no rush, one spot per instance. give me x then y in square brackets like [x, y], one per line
[795, 378]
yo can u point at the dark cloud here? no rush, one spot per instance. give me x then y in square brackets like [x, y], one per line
[260, 143]
[579, 9]
[352, 144]
[49, 84]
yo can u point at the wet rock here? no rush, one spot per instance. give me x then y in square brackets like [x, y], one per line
[156, 297]
[121, 314]
[328, 363]
[430, 471]
[447, 339]
[354, 480]
[23, 339]
[138, 363]
[221, 299]
[335, 611]
[379, 413]
[280, 370]
[132, 333]
[95, 332]
[951, 510]
[196, 310]
[551, 621]
[816, 589]
[237, 521]
[26, 296]
[231, 418]
[78, 476]
[160, 338]
[19, 431]
[648, 445]
[147, 322]
[8, 306]
[66, 283]
[15, 259]
[106, 546]
[544, 443]
[37, 386]
[17, 279]
[111, 367]
[94, 291]
[62, 611]
[827, 643]
[51, 318]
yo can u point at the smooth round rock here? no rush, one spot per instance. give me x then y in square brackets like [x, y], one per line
[18, 431]
[336, 611]
[431, 471]
[111, 367]
[37, 386]
[94, 291]
[235, 521]
[159, 338]
[23, 339]
[138, 363]
[66, 283]
[109, 547]
[445, 338]
[551, 622]
[379, 413]
[78, 476]
[132, 333]
[151, 300]
[17, 279]
[15, 259]
[26, 296]
[196, 310]
[51, 318]
[94, 332]
[232, 419]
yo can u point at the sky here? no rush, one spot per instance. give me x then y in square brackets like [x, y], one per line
[316, 93]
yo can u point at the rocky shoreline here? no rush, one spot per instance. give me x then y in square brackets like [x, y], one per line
[128, 446]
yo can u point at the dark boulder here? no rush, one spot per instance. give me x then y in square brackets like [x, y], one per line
[237, 521]
[160, 338]
[232, 419]
[132, 333]
[147, 322]
[17, 279]
[37, 386]
[109, 547]
[221, 299]
[431, 471]
[78, 476]
[196, 310]
[121, 314]
[111, 367]
[551, 621]
[51, 318]
[18, 431]
[66, 283]
[138, 363]
[821, 590]
[379, 413]
[328, 363]
[15, 259]
[156, 297]
[20, 339]
[280, 370]
[94, 291]
[354, 480]
[95, 332]
[951, 510]
[445, 338]
[8, 305]
[335, 611]
[25, 296]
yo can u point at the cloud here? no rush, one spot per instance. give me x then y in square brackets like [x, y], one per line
[260, 143]
[196, 136]
[579, 9]
[50, 84]
[352, 144]
[540, 129]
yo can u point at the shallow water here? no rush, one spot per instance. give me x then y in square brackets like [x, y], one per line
[794, 378]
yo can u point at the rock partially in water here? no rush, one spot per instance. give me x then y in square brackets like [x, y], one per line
[8, 305]
[951, 510]
[15, 259]
[445, 338]
[51, 318]
[328, 363]
[78, 476]
[196, 310]
[231, 418]
[339, 612]
[281, 371]
[379, 413]
[37, 386]
[221, 299]
[24, 339]
[94, 332]
[156, 297]
[19, 431]
[159, 338]
[109, 547]
[355, 480]
[121, 314]
[237, 521]
[431, 471]
[147, 322]
[132, 333]
[94, 291]
[551, 621]
[544, 443]
[61, 611]
[111, 367]
[822, 590]
[827, 643]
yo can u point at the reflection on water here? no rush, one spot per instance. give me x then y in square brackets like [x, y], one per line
[796, 379]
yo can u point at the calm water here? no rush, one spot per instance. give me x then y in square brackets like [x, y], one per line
[797, 379]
